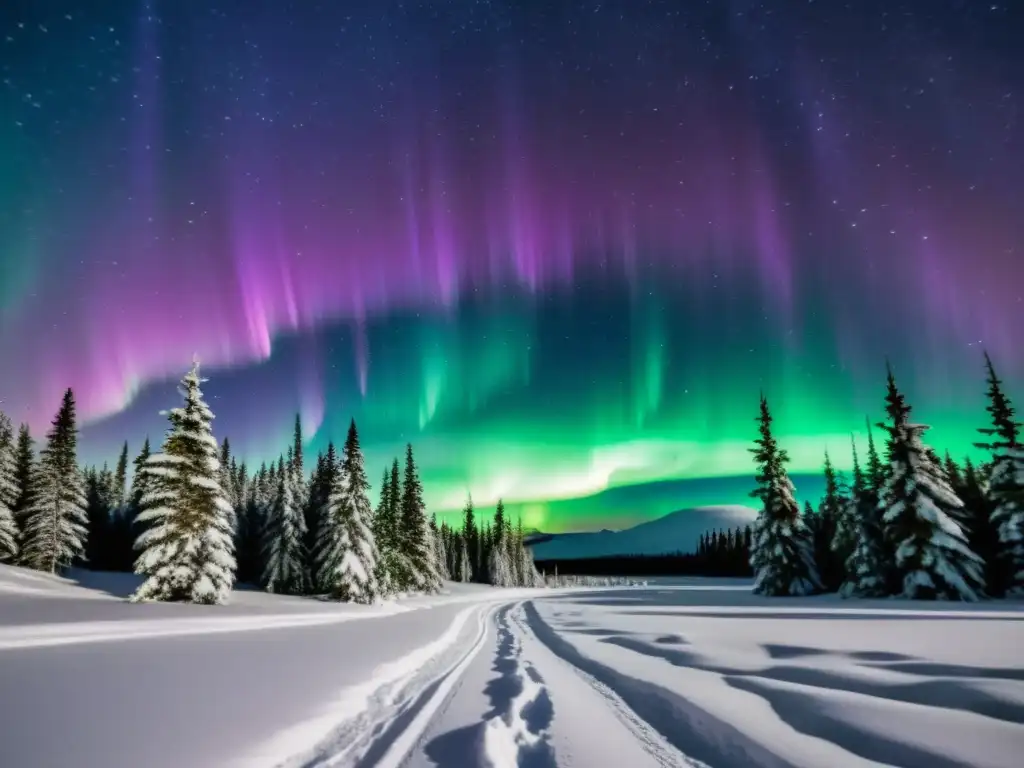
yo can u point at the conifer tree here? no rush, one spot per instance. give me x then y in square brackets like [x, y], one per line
[416, 548]
[187, 550]
[781, 554]
[463, 573]
[382, 515]
[284, 551]
[830, 510]
[440, 551]
[55, 526]
[875, 470]
[120, 479]
[395, 572]
[500, 567]
[226, 479]
[845, 540]
[348, 567]
[952, 470]
[98, 513]
[25, 461]
[141, 484]
[250, 531]
[9, 533]
[976, 522]
[1005, 487]
[866, 564]
[932, 558]
[471, 535]
[301, 489]
[385, 535]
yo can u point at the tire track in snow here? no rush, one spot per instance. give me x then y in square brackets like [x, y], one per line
[380, 722]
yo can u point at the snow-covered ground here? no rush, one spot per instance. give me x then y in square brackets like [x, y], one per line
[697, 672]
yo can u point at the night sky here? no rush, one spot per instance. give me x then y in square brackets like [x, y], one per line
[559, 246]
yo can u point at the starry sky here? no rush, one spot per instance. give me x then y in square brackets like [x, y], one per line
[559, 246]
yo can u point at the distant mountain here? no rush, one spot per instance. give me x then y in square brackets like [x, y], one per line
[677, 531]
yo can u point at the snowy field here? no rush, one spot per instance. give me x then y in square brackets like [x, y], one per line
[697, 672]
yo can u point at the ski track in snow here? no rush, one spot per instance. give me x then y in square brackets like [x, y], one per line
[380, 722]
[383, 723]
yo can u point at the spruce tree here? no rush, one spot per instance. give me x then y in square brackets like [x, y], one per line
[141, 484]
[932, 558]
[226, 479]
[976, 522]
[1005, 487]
[830, 511]
[187, 549]
[781, 554]
[440, 551]
[98, 513]
[249, 533]
[845, 540]
[876, 472]
[500, 568]
[348, 567]
[55, 526]
[471, 535]
[301, 488]
[463, 572]
[867, 568]
[284, 551]
[952, 471]
[25, 461]
[9, 533]
[414, 528]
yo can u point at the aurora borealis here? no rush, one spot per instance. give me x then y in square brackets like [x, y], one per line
[559, 246]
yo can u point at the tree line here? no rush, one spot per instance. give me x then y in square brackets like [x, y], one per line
[194, 521]
[719, 553]
[913, 525]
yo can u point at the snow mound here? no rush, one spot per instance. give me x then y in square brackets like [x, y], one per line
[677, 531]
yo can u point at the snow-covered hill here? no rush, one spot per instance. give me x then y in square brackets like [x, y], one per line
[677, 531]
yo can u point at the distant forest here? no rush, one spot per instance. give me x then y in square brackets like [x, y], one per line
[719, 553]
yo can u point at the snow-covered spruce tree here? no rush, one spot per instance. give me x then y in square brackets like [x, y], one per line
[9, 533]
[500, 567]
[55, 523]
[348, 567]
[284, 551]
[25, 459]
[465, 569]
[524, 572]
[186, 548]
[323, 480]
[415, 546]
[440, 551]
[301, 487]
[982, 535]
[1005, 487]
[471, 535]
[932, 558]
[845, 539]
[781, 548]
[866, 564]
